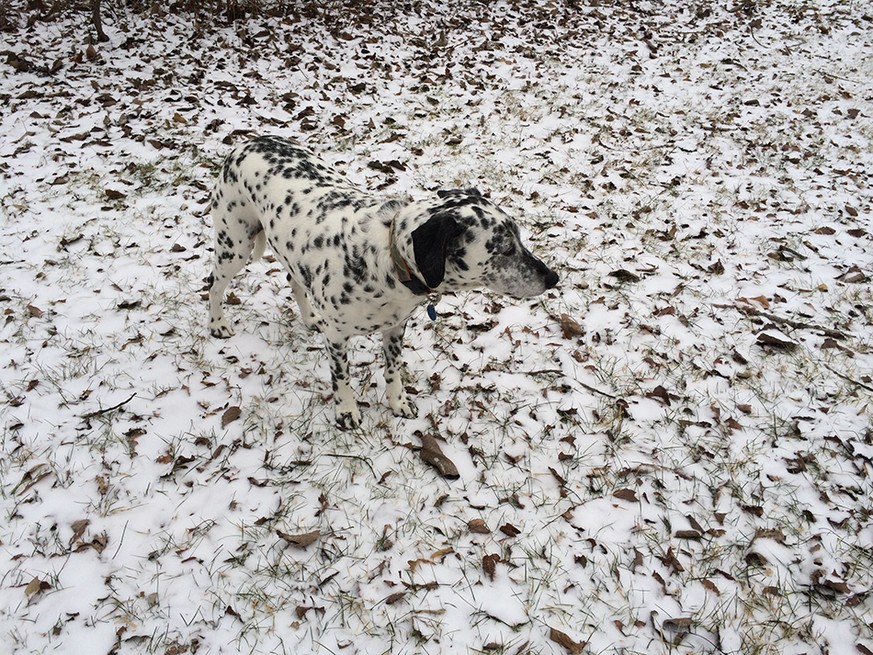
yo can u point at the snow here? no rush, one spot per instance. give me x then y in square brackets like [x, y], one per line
[663, 481]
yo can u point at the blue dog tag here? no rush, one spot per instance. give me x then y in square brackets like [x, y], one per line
[431, 311]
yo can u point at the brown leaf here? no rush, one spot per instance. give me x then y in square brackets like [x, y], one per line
[79, 528]
[733, 424]
[431, 454]
[775, 534]
[687, 534]
[33, 587]
[100, 542]
[570, 328]
[300, 540]
[489, 564]
[852, 276]
[562, 639]
[510, 530]
[623, 275]
[36, 312]
[660, 393]
[301, 610]
[626, 494]
[775, 339]
[710, 585]
[671, 560]
[478, 526]
[395, 597]
[230, 415]
[759, 300]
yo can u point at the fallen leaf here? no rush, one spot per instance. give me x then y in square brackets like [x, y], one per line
[710, 585]
[79, 528]
[510, 530]
[756, 300]
[852, 276]
[623, 275]
[775, 339]
[659, 393]
[230, 415]
[626, 494]
[489, 564]
[300, 540]
[563, 639]
[775, 534]
[431, 454]
[570, 328]
[478, 526]
[33, 587]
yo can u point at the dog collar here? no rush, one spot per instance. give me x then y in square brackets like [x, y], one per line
[410, 281]
[404, 273]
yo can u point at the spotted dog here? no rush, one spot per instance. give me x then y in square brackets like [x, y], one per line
[357, 263]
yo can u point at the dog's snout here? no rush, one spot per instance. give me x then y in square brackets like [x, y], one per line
[551, 279]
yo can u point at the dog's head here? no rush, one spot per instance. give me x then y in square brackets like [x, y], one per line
[464, 241]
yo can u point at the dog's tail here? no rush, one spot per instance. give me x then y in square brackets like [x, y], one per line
[260, 246]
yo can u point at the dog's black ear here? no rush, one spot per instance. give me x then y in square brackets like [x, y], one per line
[444, 193]
[473, 191]
[430, 243]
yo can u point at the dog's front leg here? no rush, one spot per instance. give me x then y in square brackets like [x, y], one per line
[347, 413]
[392, 345]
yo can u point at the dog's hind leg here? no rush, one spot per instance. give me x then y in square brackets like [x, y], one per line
[392, 346]
[236, 240]
[309, 317]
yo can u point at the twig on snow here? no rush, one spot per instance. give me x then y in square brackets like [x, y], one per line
[105, 410]
[790, 322]
[358, 457]
[847, 378]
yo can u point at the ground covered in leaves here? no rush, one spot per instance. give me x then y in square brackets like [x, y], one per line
[670, 453]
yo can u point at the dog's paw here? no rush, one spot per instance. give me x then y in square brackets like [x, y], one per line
[348, 417]
[311, 320]
[348, 420]
[220, 330]
[403, 407]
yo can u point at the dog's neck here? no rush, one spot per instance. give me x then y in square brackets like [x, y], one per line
[404, 271]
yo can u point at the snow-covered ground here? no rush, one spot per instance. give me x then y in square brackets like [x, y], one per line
[670, 453]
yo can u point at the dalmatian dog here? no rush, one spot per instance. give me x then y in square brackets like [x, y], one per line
[357, 263]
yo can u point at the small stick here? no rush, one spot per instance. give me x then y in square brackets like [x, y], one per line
[745, 309]
[98, 412]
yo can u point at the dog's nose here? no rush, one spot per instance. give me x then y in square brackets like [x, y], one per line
[551, 279]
